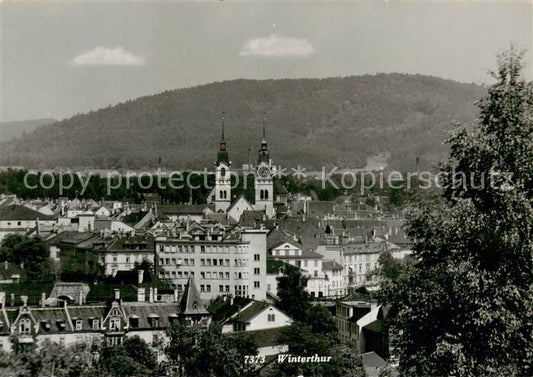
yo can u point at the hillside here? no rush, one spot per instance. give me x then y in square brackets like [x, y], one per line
[11, 130]
[310, 122]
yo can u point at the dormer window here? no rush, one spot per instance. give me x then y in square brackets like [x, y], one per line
[79, 325]
[25, 326]
[114, 324]
[153, 320]
[134, 322]
[95, 324]
[45, 325]
[61, 325]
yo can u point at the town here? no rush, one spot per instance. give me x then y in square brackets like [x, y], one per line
[118, 269]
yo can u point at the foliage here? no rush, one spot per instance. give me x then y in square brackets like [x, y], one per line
[50, 360]
[33, 253]
[293, 297]
[466, 307]
[332, 122]
[193, 351]
[131, 358]
[303, 341]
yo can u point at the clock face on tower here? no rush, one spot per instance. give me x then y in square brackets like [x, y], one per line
[263, 171]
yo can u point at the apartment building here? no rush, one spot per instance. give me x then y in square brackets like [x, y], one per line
[222, 262]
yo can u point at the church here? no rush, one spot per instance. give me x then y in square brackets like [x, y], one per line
[263, 172]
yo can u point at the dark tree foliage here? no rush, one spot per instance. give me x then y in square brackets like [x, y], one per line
[33, 253]
[131, 358]
[197, 352]
[304, 341]
[293, 298]
[466, 307]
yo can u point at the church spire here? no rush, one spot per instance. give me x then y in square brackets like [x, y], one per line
[222, 153]
[222, 136]
[264, 131]
[263, 152]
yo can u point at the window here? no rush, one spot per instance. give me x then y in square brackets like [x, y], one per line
[202, 275]
[208, 287]
[257, 257]
[257, 271]
[271, 318]
[256, 284]
[202, 262]
[221, 288]
[161, 261]
[79, 324]
[202, 249]
[114, 324]
[134, 322]
[316, 273]
[96, 324]
[154, 322]
[227, 275]
[202, 288]
[25, 326]
[214, 262]
[227, 288]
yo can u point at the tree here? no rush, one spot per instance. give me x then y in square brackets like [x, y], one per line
[131, 358]
[193, 351]
[466, 307]
[33, 253]
[293, 298]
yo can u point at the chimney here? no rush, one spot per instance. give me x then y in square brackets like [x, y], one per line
[6, 265]
[231, 300]
[151, 295]
[12, 297]
[155, 294]
[43, 299]
[140, 276]
[117, 294]
[80, 297]
[141, 295]
[24, 300]
[2, 300]
[176, 296]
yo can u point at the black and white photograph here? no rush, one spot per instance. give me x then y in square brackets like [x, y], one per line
[227, 188]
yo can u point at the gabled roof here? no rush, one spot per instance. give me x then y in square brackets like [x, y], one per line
[182, 209]
[241, 198]
[191, 302]
[330, 265]
[249, 312]
[277, 237]
[14, 212]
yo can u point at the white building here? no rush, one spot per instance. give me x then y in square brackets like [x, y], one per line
[222, 262]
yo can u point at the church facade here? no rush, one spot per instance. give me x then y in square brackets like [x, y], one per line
[263, 172]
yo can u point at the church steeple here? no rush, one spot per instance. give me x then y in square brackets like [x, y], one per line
[263, 152]
[223, 155]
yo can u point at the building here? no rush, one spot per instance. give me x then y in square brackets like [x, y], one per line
[264, 183]
[222, 189]
[324, 276]
[223, 262]
[68, 324]
[362, 322]
[360, 260]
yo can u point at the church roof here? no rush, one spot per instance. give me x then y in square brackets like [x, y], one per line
[190, 302]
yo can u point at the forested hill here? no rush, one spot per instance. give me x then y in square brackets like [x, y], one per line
[11, 130]
[310, 122]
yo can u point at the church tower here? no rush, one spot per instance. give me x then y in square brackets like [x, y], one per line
[264, 185]
[222, 176]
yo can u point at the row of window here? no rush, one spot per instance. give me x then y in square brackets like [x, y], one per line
[226, 249]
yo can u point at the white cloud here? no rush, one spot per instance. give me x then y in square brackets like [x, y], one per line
[108, 56]
[277, 46]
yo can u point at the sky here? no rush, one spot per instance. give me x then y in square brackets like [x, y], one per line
[63, 58]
